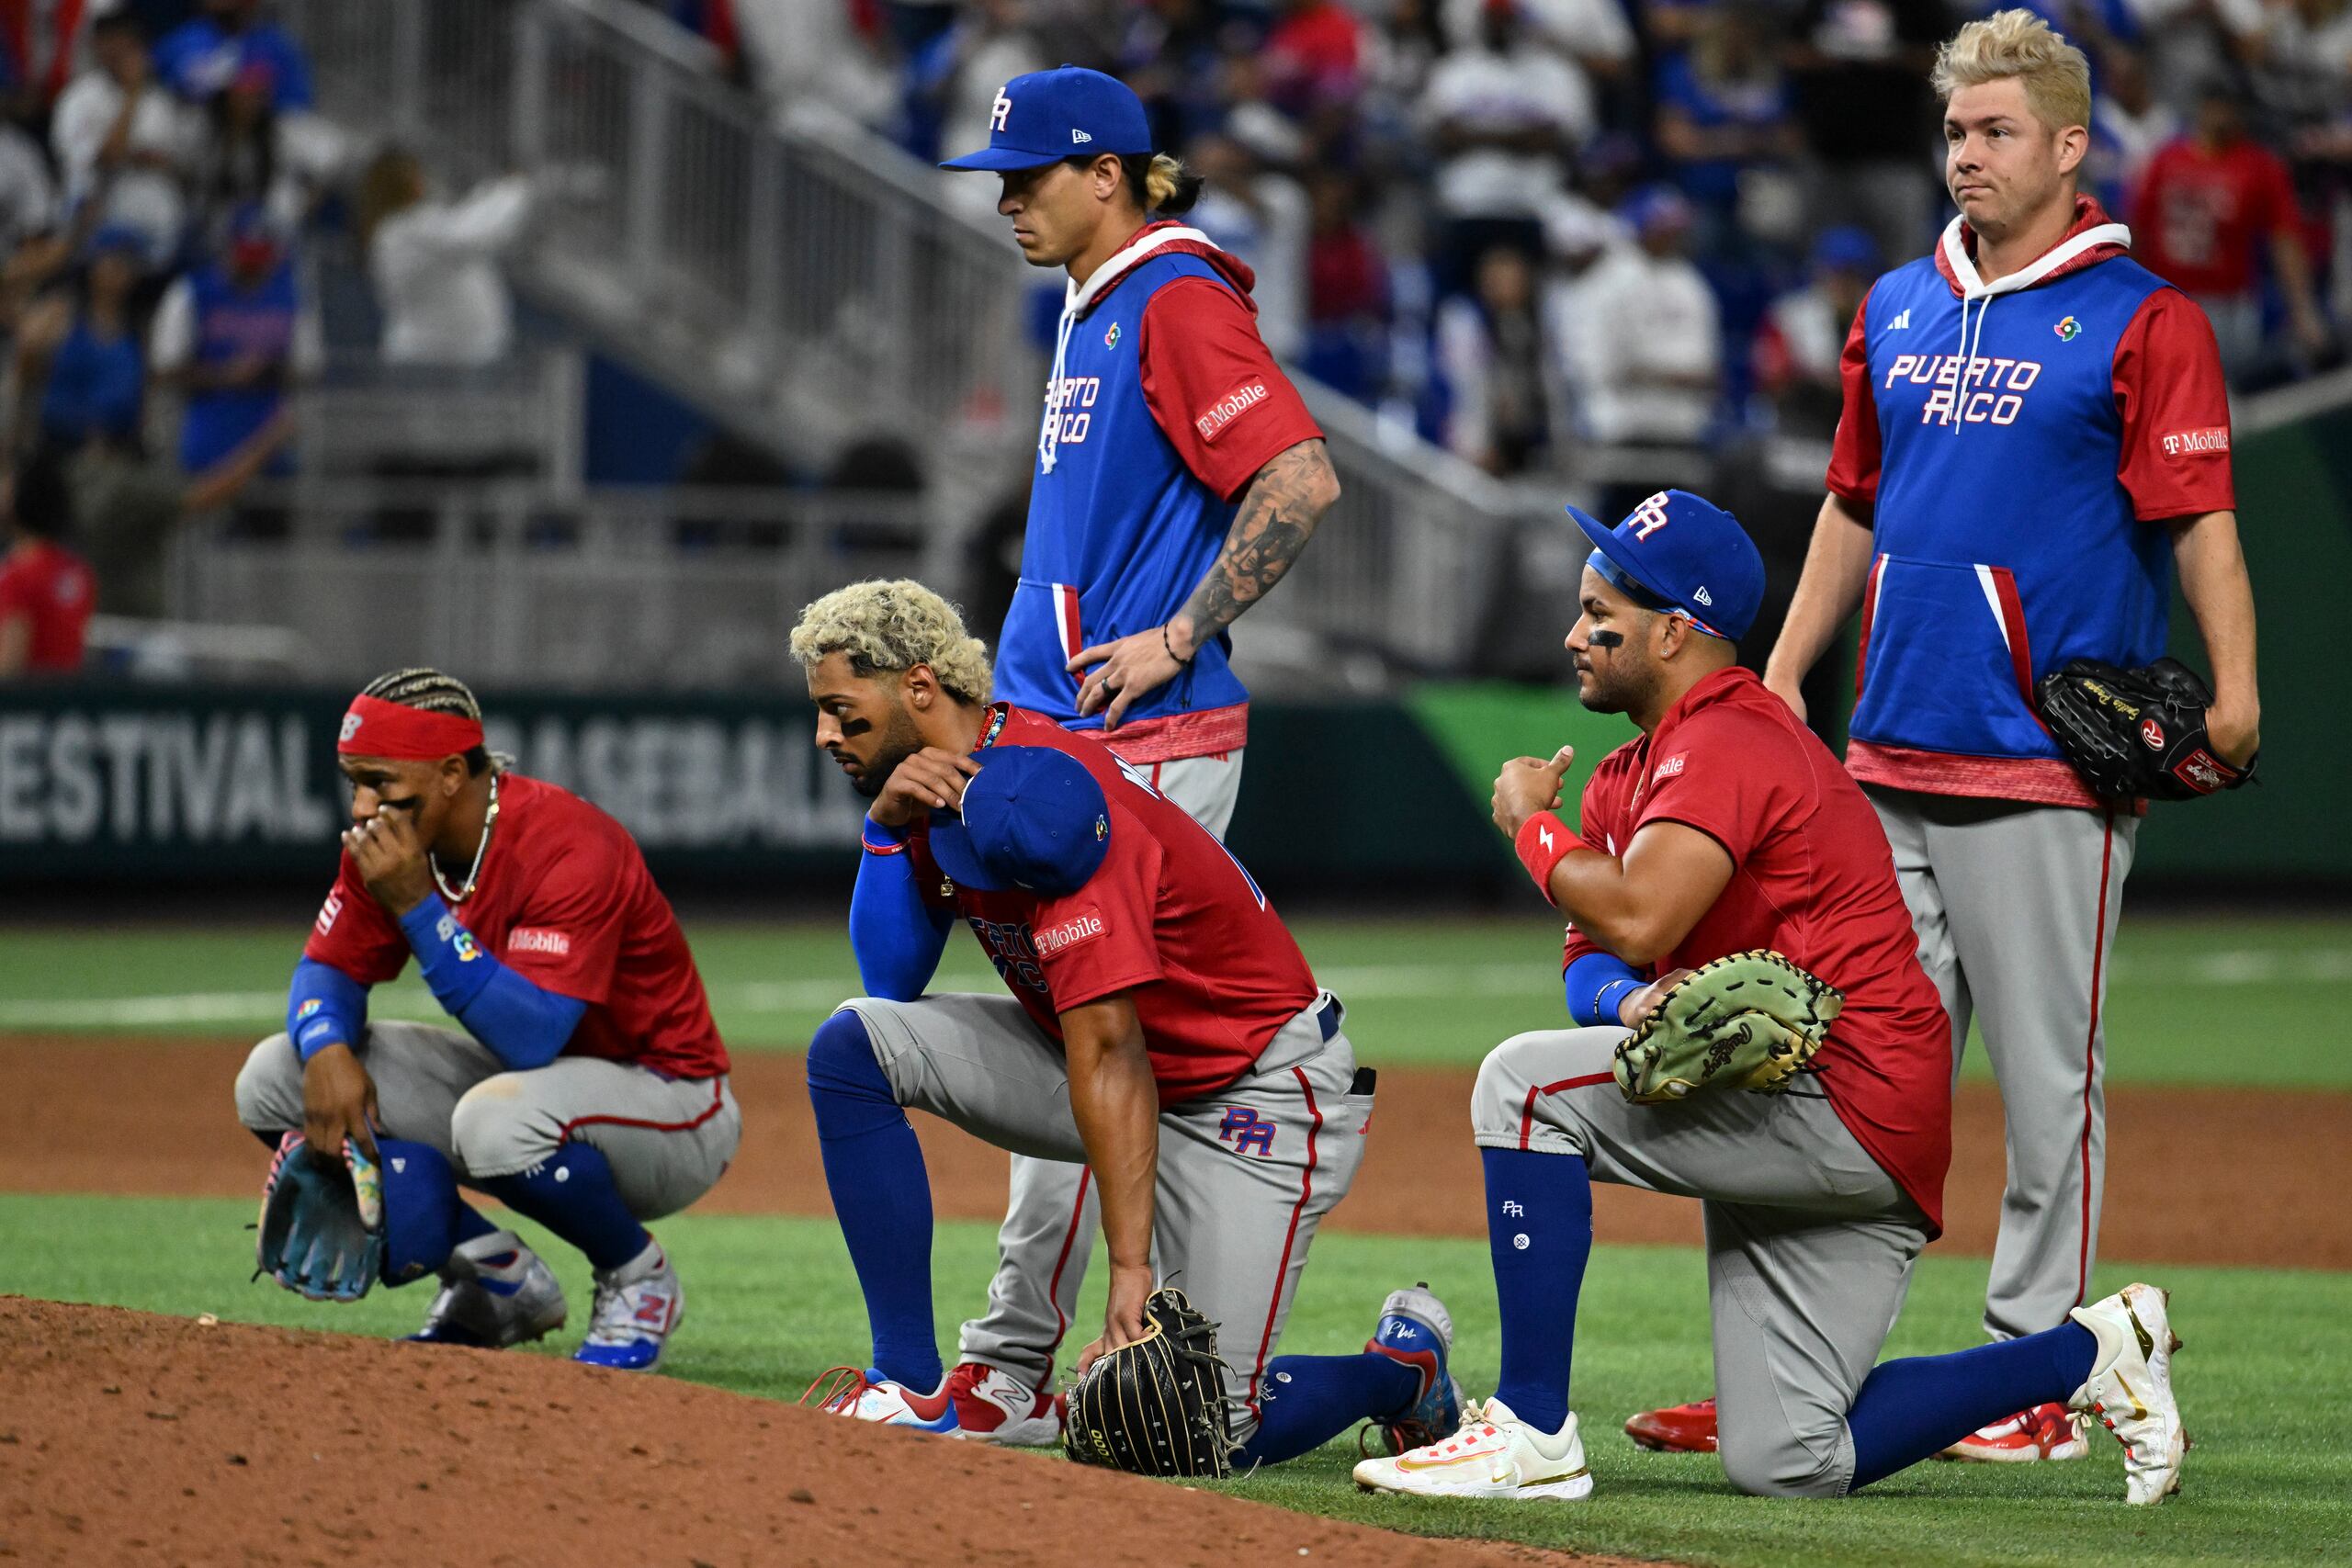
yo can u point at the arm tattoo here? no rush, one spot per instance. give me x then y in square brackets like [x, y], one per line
[1278, 515]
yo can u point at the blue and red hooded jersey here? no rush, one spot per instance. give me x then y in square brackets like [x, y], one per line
[2017, 445]
[1162, 406]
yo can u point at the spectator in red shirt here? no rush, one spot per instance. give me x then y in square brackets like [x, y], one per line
[46, 589]
[1313, 53]
[2204, 207]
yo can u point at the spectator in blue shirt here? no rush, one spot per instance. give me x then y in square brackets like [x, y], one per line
[233, 334]
[1722, 107]
[97, 369]
[203, 56]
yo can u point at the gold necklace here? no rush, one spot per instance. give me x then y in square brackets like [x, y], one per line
[460, 894]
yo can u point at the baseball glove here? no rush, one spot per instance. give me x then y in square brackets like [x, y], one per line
[321, 1222]
[1747, 1020]
[1157, 1407]
[2133, 733]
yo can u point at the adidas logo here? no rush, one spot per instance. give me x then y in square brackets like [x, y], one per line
[1900, 322]
[1077, 136]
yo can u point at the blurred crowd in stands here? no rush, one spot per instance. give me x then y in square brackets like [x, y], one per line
[162, 173]
[1531, 227]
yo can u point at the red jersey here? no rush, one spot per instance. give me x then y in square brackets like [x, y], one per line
[565, 901]
[1813, 879]
[2200, 216]
[48, 586]
[1169, 918]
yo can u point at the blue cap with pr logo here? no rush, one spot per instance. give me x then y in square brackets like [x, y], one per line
[1689, 555]
[1067, 112]
[1033, 817]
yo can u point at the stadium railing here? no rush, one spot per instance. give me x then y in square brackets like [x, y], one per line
[809, 277]
[520, 585]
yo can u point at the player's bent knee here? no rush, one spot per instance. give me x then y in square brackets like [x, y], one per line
[1779, 1466]
[269, 1086]
[497, 1130]
[1498, 1102]
[841, 1059]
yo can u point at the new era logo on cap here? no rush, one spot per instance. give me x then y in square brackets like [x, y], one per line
[1036, 120]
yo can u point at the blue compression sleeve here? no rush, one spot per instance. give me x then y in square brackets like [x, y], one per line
[324, 1007]
[524, 1025]
[897, 940]
[1596, 985]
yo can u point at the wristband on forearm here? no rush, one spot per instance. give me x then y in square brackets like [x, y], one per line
[881, 840]
[1543, 842]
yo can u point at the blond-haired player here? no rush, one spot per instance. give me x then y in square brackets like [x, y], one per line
[2036, 438]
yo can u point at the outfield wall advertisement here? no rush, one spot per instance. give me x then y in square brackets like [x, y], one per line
[1384, 799]
[126, 782]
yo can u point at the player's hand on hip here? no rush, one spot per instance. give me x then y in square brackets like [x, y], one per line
[338, 1102]
[390, 858]
[1123, 1321]
[1527, 786]
[1638, 1005]
[1132, 668]
[931, 779]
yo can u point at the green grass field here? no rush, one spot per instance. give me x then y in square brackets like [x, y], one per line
[1432, 992]
[2265, 1376]
[2266, 1379]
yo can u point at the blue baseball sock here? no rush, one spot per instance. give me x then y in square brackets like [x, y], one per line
[881, 1195]
[471, 1226]
[1910, 1409]
[1309, 1400]
[1539, 1231]
[572, 1193]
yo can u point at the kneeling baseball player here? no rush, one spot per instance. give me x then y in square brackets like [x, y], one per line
[1725, 840]
[1162, 1028]
[585, 1089]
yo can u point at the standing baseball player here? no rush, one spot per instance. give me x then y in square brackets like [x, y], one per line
[1991, 524]
[1162, 1028]
[1178, 478]
[586, 1086]
[1725, 827]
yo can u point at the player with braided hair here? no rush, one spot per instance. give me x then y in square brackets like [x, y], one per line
[586, 1086]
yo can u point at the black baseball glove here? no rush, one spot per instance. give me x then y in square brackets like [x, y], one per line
[1157, 1407]
[2133, 733]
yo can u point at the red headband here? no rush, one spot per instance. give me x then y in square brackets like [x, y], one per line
[375, 727]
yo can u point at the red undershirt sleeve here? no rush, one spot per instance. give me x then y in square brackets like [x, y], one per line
[2175, 408]
[1213, 389]
[1854, 452]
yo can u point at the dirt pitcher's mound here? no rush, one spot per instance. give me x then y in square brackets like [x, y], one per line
[127, 1437]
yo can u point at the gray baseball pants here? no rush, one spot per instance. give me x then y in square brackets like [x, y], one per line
[2016, 909]
[1237, 1205]
[1051, 1218]
[1809, 1241]
[667, 1139]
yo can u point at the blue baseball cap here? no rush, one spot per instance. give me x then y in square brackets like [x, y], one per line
[1845, 249]
[1048, 116]
[1033, 817]
[1675, 551]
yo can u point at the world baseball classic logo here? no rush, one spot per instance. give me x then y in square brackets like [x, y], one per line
[1248, 1132]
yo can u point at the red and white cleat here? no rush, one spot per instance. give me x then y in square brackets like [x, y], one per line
[994, 1406]
[1676, 1430]
[2044, 1432]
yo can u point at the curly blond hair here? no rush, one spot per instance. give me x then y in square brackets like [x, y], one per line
[2055, 74]
[888, 626]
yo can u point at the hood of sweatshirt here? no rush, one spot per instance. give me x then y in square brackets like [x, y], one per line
[1165, 238]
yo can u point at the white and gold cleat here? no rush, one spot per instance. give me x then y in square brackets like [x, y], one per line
[1495, 1454]
[2129, 1390]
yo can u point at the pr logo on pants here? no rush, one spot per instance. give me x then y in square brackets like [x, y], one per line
[1248, 1132]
